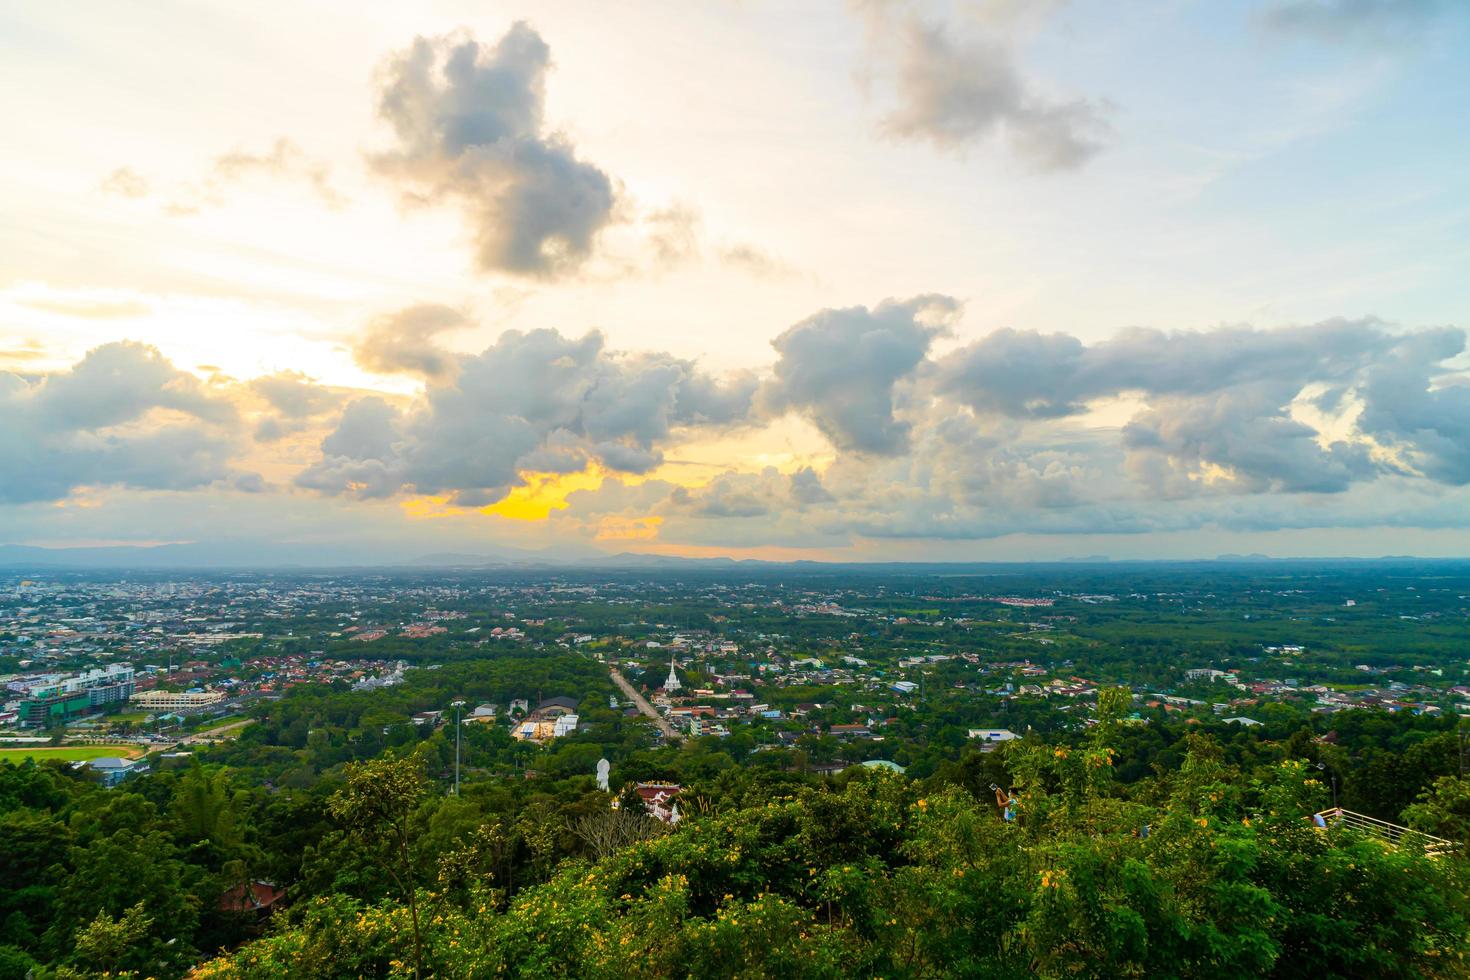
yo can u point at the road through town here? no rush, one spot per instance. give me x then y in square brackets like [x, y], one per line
[641, 703]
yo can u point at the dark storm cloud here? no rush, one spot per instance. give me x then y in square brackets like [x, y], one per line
[839, 368]
[469, 125]
[534, 401]
[122, 416]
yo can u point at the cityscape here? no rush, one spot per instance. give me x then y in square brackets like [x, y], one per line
[896, 489]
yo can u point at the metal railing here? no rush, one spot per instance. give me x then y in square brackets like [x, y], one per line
[1392, 833]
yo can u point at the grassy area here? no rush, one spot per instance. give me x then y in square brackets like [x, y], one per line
[68, 753]
[221, 723]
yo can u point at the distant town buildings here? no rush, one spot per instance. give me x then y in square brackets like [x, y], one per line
[60, 697]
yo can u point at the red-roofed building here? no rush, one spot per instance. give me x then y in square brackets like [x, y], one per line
[259, 897]
[659, 798]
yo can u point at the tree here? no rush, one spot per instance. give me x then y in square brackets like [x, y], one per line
[1443, 810]
[612, 830]
[206, 809]
[376, 808]
[103, 942]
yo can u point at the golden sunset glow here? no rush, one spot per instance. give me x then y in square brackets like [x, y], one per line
[935, 287]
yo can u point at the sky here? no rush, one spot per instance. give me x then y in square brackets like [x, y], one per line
[848, 281]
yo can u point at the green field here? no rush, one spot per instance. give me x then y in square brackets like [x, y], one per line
[68, 753]
[226, 721]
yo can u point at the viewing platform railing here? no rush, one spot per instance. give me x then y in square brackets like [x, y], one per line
[1391, 833]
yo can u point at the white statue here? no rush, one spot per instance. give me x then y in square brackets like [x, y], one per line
[603, 768]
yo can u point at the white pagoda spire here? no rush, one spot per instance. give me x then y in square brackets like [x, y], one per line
[672, 684]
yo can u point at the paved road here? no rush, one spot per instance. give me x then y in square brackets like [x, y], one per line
[642, 705]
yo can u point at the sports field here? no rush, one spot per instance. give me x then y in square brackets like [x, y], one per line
[68, 753]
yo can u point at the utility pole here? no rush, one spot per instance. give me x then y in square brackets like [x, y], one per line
[458, 728]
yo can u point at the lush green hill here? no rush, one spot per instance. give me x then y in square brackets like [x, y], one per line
[1208, 872]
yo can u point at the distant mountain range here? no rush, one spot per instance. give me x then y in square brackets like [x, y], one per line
[266, 555]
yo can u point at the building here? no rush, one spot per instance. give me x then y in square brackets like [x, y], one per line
[257, 899]
[1210, 674]
[989, 738]
[178, 702]
[114, 770]
[545, 729]
[659, 798]
[59, 697]
[552, 707]
[672, 684]
[482, 715]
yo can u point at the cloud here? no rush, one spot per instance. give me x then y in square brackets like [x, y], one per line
[360, 456]
[534, 401]
[1242, 438]
[125, 182]
[469, 126]
[839, 368]
[756, 261]
[1235, 428]
[673, 233]
[89, 308]
[1374, 21]
[1412, 403]
[294, 400]
[403, 342]
[1221, 404]
[952, 90]
[284, 159]
[1025, 374]
[1238, 428]
[122, 416]
[294, 395]
[751, 494]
